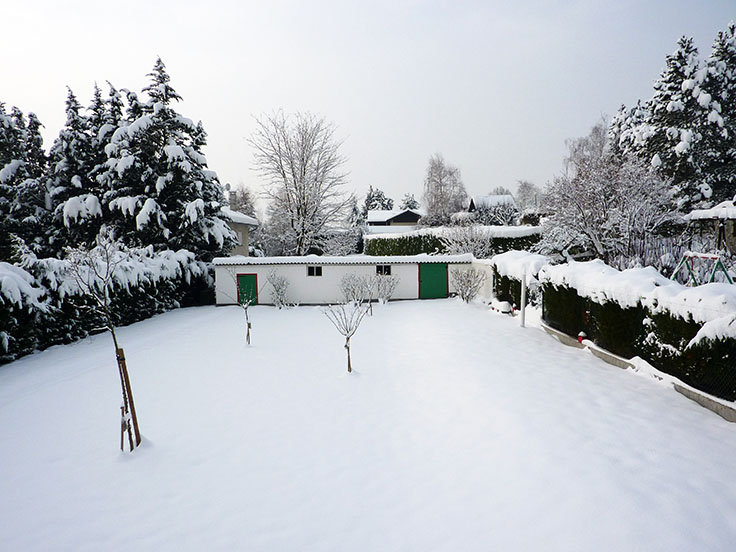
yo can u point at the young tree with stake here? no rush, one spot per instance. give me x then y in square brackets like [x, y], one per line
[93, 270]
[346, 318]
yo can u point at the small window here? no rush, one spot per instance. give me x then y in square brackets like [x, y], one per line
[383, 269]
[314, 271]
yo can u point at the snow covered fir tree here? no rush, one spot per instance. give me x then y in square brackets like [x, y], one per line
[125, 166]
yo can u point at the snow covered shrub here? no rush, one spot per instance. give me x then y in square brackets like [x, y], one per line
[506, 288]
[385, 285]
[640, 313]
[467, 282]
[467, 239]
[669, 343]
[356, 288]
[143, 284]
[21, 304]
[280, 285]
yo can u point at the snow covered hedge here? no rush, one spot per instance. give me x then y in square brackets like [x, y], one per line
[43, 306]
[434, 240]
[510, 268]
[687, 332]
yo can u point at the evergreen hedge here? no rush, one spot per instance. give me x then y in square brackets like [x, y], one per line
[27, 329]
[416, 244]
[660, 338]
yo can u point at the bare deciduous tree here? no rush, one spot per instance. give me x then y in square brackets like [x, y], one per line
[444, 192]
[244, 301]
[356, 288]
[346, 318]
[528, 196]
[467, 239]
[280, 285]
[93, 270]
[610, 206]
[467, 282]
[385, 285]
[300, 160]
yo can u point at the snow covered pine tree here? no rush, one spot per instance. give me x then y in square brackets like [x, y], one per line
[160, 190]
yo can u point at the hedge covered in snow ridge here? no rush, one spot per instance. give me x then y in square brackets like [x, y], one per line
[41, 304]
[686, 332]
[435, 240]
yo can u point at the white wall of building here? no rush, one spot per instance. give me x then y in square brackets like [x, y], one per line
[304, 289]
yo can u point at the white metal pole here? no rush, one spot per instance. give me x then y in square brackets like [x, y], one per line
[523, 298]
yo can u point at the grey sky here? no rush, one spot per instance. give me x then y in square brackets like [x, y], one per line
[496, 87]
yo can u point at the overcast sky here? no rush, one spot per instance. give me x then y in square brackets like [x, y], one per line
[496, 87]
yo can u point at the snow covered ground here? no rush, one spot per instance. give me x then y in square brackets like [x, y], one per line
[459, 431]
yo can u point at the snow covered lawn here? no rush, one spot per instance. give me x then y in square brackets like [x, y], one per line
[460, 431]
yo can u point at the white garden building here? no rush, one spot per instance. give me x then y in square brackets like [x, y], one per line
[316, 279]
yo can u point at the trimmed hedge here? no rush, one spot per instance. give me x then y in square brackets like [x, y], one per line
[412, 244]
[506, 288]
[659, 338]
[416, 244]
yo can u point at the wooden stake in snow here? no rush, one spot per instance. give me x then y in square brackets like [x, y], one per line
[523, 299]
[346, 318]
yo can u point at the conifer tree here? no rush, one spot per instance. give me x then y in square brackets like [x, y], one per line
[375, 199]
[160, 190]
[11, 140]
[22, 167]
[409, 202]
[718, 123]
[73, 194]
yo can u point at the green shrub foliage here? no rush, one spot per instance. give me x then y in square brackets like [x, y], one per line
[26, 329]
[660, 338]
[416, 244]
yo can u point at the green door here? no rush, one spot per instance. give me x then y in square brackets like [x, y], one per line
[248, 288]
[432, 280]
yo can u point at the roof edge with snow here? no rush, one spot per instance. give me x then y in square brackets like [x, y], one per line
[345, 260]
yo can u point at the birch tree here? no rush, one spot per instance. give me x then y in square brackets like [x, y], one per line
[444, 192]
[299, 158]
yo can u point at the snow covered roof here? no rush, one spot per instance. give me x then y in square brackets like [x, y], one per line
[381, 215]
[724, 210]
[488, 201]
[239, 217]
[345, 260]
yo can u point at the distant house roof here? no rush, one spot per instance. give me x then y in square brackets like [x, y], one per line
[345, 260]
[237, 216]
[725, 210]
[380, 215]
[488, 201]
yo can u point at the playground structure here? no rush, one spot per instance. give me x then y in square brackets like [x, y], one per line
[688, 262]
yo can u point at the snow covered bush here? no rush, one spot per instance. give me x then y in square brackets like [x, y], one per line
[21, 304]
[279, 287]
[467, 282]
[385, 285]
[144, 283]
[356, 288]
[639, 312]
